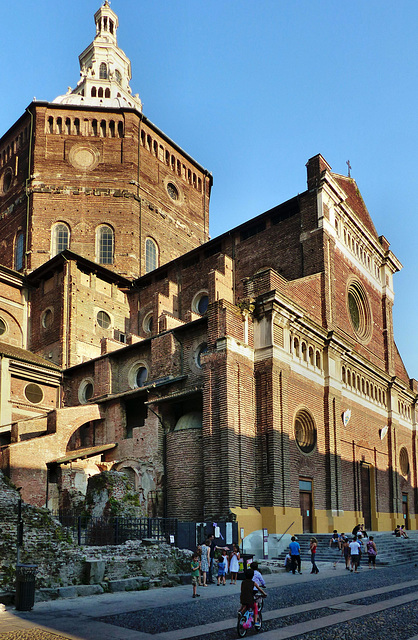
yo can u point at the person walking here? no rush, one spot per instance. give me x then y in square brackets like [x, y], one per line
[294, 548]
[371, 552]
[355, 554]
[313, 545]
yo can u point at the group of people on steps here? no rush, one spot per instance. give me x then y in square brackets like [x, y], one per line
[341, 546]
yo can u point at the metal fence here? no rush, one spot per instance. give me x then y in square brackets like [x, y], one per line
[92, 531]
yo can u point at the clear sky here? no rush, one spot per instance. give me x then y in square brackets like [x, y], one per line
[252, 90]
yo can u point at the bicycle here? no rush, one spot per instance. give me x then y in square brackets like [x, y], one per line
[246, 618]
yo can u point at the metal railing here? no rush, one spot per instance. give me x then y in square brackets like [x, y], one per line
[92, 531]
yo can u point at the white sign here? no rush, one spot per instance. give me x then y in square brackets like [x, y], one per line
[171, 539]
[346, 417]
[228, 533]
[217, 532]
[383, 432]
[242, 533]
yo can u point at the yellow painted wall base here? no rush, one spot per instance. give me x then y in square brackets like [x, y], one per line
[279, 520]
[249, 519]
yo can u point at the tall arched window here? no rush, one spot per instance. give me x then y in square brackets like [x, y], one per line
[151, 255]
[105, 242]
[19, 247]
[103, 71]
[60, 238]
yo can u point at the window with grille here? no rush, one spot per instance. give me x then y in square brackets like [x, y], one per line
[151, 255]
[105, 245]
[60, 238]
[19, 246]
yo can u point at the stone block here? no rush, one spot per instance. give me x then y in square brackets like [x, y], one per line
[94, 571]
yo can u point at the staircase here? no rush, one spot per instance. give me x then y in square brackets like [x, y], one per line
[390, 550]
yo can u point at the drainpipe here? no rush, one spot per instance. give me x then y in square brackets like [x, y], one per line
[28, 179]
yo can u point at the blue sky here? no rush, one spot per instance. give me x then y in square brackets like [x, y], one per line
[252, 90]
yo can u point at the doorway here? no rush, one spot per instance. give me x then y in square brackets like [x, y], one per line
[365, 495]
[405, 513]
[305, 499]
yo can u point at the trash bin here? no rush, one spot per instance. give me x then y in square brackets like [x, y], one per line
[244, 564]
[25, 586]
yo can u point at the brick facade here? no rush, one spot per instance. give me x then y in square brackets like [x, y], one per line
[221, 381]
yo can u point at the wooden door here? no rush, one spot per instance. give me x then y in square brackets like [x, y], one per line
[405, 513]
[365, 495]
[306, 510]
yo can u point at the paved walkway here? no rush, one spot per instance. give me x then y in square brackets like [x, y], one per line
[77, 619]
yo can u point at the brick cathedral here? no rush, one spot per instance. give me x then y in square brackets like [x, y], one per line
[252, 376]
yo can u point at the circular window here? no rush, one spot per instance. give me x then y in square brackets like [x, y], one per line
[7, 180]
[404, 461]
[85, 391]
[34, 393]
[359, 311]
[172, 191]
[141, 376]
[147, 323]
[138, 375]
[200, 303]
[200, 351]
[305, 431]
[47, 319]
[3, 326]
[103, 320]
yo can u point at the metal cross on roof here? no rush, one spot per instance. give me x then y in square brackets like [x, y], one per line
[349, 168]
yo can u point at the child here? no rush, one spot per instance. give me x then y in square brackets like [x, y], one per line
[258, 578]
[247, 595]
[195, 566]
[234, 563]
[221, 571]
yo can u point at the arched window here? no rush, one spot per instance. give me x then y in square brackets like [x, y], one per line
[93, 92]
[100, 92]
[112, 129]
[77, 126]
[120, 129]
[103, 71]
[118, 76]
[103, 128]
[60, 238]
[105, 241]
[107, 93]
[68, 126]
[151, 255]
[19, 247]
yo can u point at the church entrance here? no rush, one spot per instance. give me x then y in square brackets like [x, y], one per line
[305, 498]
[365, 495]
[405, 513]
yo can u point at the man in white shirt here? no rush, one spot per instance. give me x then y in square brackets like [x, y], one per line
[355, 554]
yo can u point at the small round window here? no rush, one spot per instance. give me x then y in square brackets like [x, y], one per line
[359, 311]
[201, 303]
[103, 320]
[3, 327]
[7, 180]
[305, 431]
[141, 376]
[404, 461]
[85, 391]
[172, 191]
[147, 323]
[200, 351]
[34, 393]
[47, 319]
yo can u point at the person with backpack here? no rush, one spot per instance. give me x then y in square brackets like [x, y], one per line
[371, 552]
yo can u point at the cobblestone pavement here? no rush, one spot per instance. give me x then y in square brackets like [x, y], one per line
[334, 605]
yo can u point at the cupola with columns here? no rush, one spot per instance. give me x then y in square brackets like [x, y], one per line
[105, 70]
